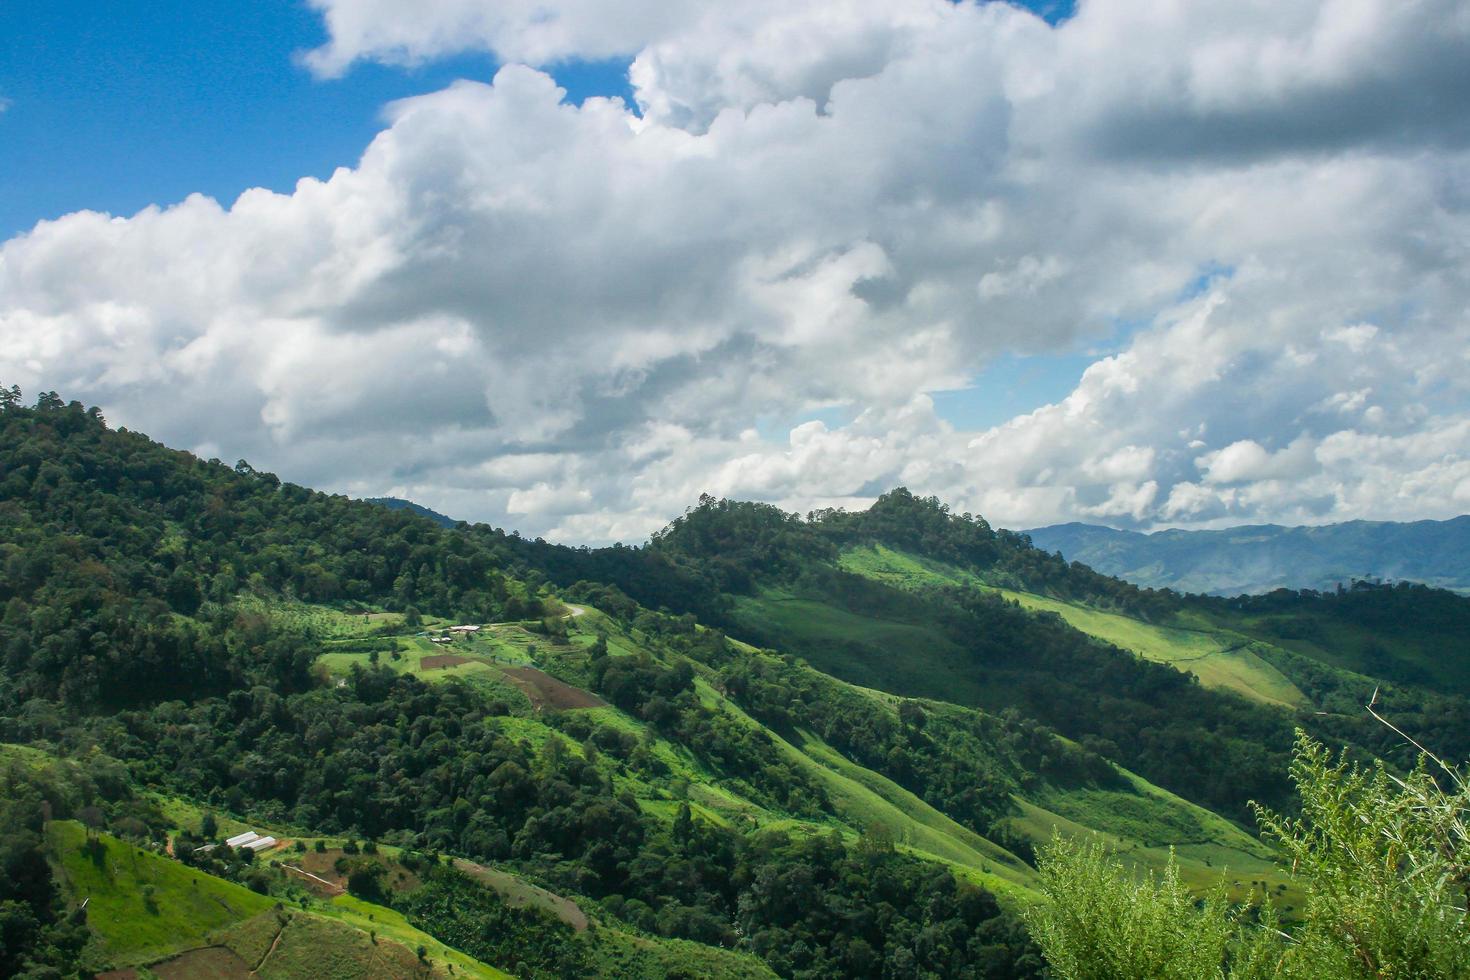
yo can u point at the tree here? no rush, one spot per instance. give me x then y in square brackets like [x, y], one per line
[208, 826]
[365, 879]
[683, 824]
[92, 818]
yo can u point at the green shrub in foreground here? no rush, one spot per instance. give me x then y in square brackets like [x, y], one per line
[1384, 862]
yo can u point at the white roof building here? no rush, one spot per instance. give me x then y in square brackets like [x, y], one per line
[242, 840]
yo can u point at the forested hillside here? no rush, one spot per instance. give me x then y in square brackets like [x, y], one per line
[243, 646]
[970, 623]
[819, 746]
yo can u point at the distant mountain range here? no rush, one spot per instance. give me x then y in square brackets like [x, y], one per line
[398, 503]
[1264, 557]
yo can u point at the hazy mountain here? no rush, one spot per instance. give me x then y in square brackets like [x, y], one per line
[1266, 557]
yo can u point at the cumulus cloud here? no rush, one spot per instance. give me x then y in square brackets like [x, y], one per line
[575, 319]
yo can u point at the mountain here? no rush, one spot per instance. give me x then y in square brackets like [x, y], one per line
[761, 744]
[398, 503]
[1256, 559]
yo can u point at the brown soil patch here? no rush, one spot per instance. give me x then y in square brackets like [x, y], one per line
[546, 691]
[209, 963]
[442, 660]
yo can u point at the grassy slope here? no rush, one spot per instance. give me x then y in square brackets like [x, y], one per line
[1219, 658]
[864, 797]
[186, 904]
[1146, 822]
[866, 651]
[1346, 646]
[627, 956]
[191, 910]
[921, 662]
[366, 918]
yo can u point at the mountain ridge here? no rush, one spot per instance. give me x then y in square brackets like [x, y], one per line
[1257, 558]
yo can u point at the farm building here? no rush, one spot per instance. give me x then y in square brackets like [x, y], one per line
[441, 639]
[251, 840]
[464, 629]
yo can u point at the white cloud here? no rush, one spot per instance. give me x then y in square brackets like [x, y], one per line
[575, 320]
[1248, 461]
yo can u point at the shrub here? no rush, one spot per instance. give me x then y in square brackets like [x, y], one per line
[1384, 862]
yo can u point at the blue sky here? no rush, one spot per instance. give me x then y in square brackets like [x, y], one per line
[115, 106]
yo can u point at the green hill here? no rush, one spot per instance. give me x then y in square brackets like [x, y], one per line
[146, 909]
[139, 905]
[719, 753]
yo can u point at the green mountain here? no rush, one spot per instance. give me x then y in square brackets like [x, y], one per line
[1262, 558]
[761, 744]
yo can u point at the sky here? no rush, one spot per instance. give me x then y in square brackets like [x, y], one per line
[564, 265]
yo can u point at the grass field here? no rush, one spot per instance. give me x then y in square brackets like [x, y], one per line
[916, 661]
[1219, 658]
[310, 946]
[519, 893]
[143, 906]
[147, 909]
[322, 622]
[616, 953]
[503, 659]
[1237, 860]
[367, 918]
[899, 568]
[1414, 656]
